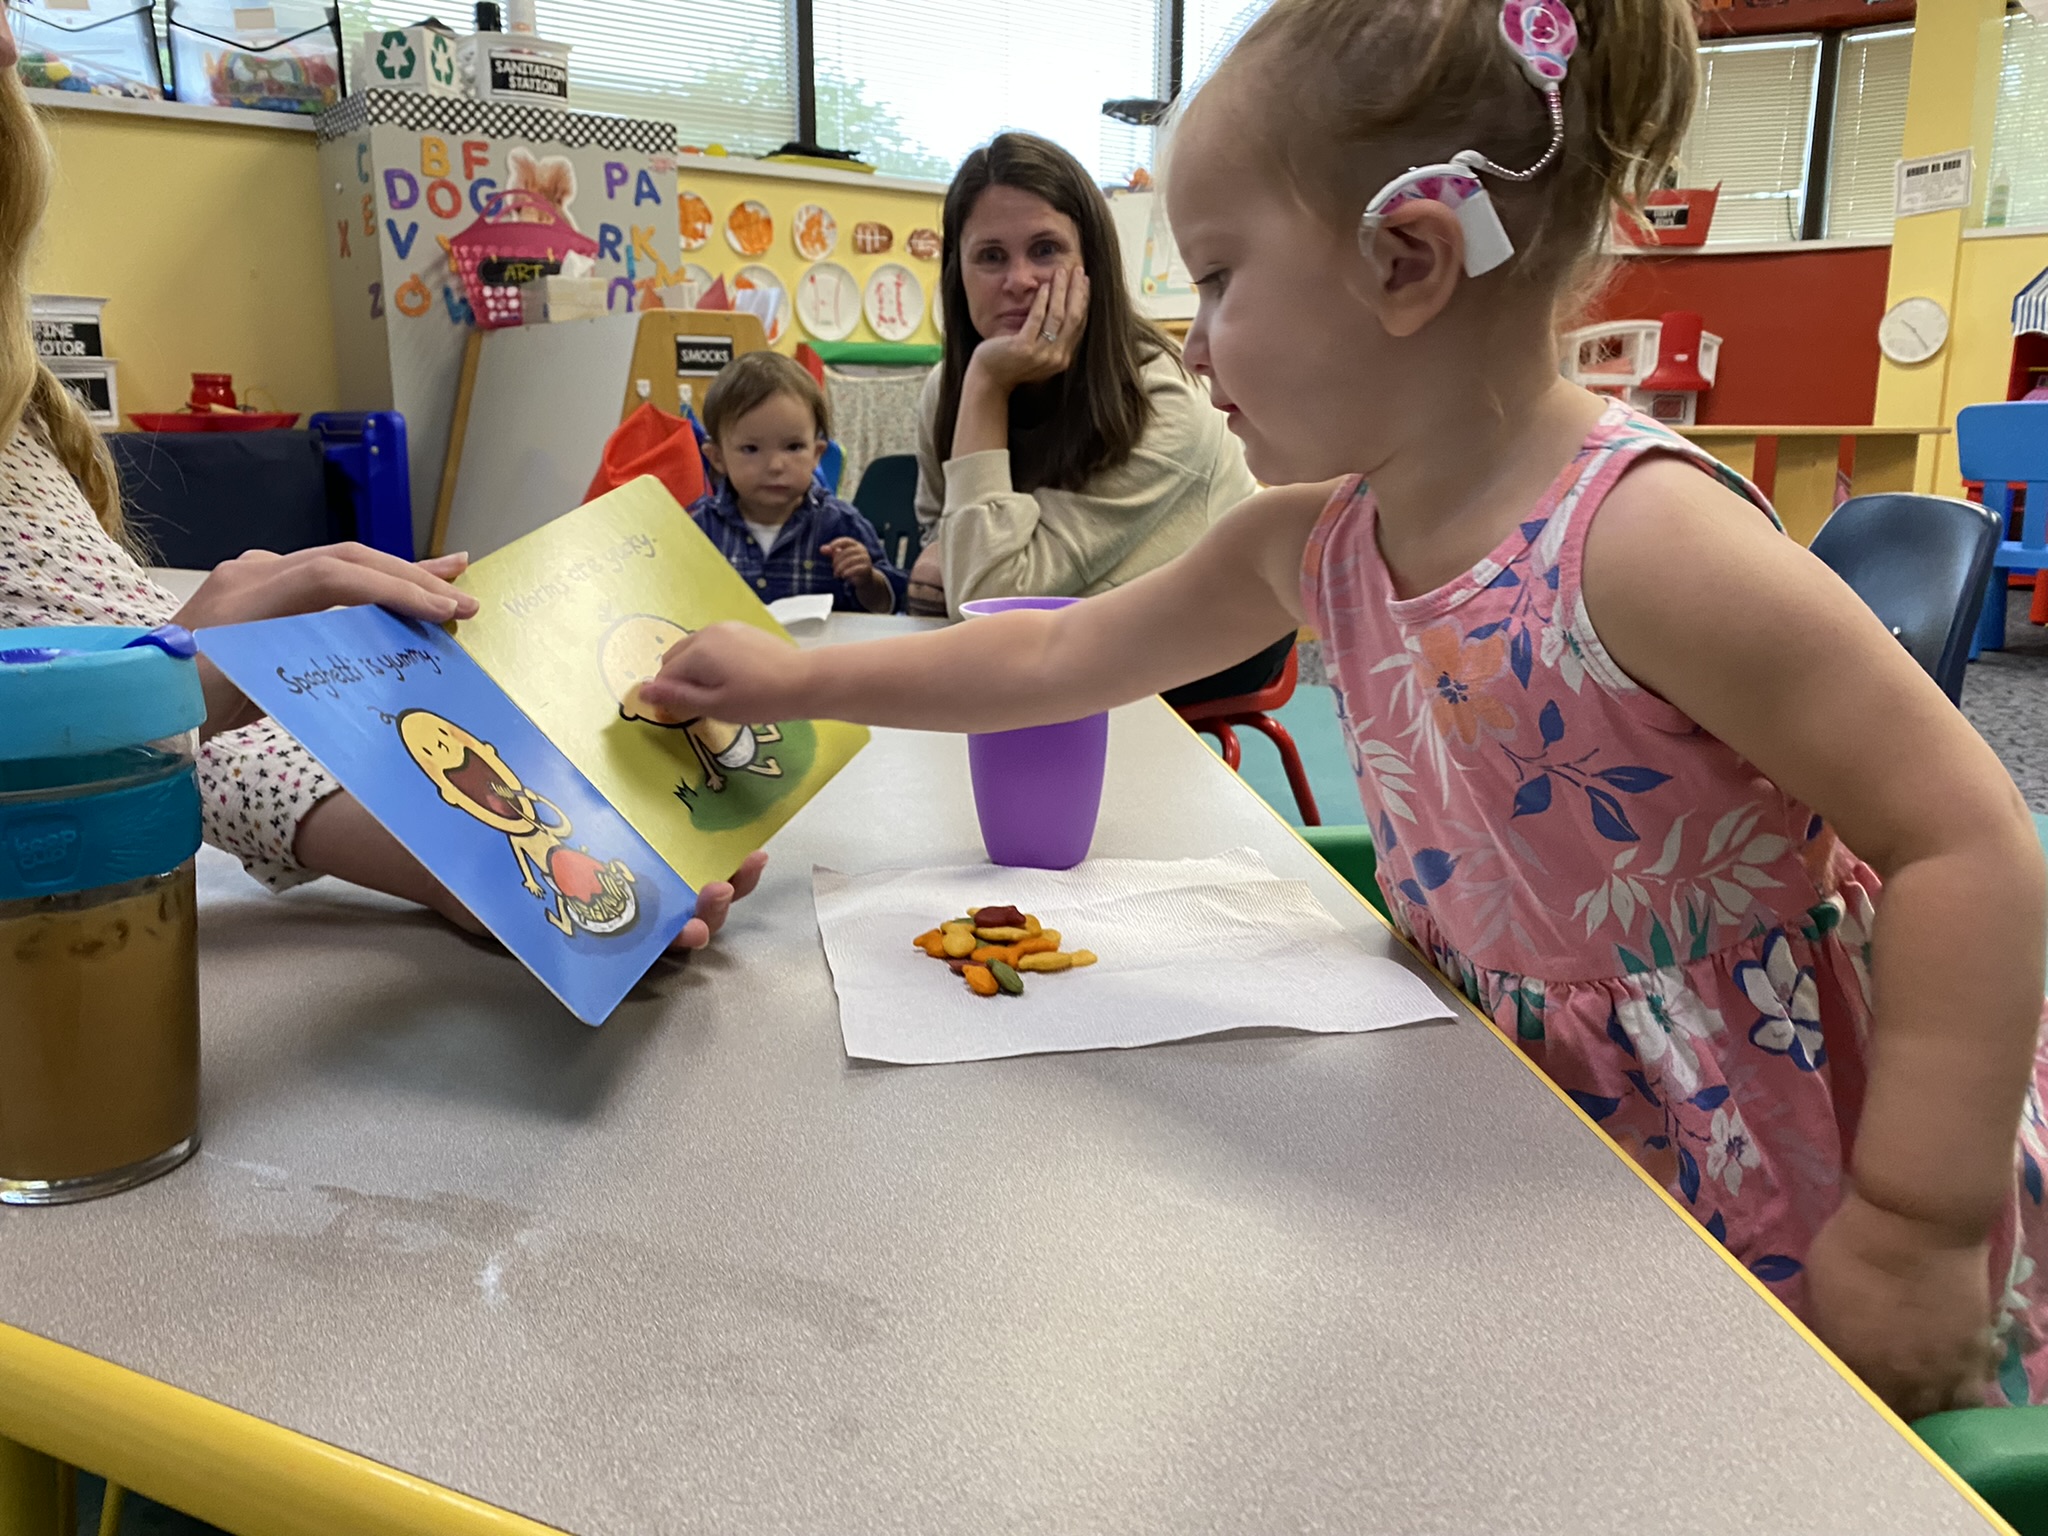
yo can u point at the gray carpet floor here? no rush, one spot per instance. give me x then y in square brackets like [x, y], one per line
[2006, 697]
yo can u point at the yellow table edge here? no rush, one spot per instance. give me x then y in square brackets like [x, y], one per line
[216, 1463]
[1976, 1500]
[255, 1478]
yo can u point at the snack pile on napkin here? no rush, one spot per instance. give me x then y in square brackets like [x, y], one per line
[1184, 947]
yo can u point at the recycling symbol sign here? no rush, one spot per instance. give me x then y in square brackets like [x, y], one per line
[441, 62]
[395, 58]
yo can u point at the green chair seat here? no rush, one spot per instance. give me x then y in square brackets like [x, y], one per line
[2000, 1452]
[1348, 850]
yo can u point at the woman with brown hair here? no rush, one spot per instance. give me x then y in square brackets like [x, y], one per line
[1062, 448]
[66, 557]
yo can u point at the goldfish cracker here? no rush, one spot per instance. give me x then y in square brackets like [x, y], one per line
[1032, 925]
[1038, 946]
[958, 940]
[1050, 960]
[981, 980]
[1006, 934]
[998, 917]
[933, 944]
[1084, 957]
[1007, 978]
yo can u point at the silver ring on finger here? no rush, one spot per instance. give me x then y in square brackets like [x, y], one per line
[1048, 334]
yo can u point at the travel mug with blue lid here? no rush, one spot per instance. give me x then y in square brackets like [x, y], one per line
[99, 958]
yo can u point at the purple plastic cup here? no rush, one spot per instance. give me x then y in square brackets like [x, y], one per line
[1037, 790]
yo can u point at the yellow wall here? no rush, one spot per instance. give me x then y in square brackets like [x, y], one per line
[205, 241]
[901, 210]
[1989, 273]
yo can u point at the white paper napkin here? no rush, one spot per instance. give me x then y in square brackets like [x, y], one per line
[1187, 947]
[803, 608]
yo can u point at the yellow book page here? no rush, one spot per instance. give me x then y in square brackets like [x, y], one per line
[577, 613]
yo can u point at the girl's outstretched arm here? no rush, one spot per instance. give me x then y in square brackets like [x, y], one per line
[1217, 604]
[1697, 598]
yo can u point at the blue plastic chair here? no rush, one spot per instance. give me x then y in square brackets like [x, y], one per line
[368, 448]
[830, 468]
[2000, 445]
[1923, 564]
[887, 497]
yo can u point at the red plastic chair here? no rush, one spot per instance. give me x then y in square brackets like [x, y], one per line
[1221, 717]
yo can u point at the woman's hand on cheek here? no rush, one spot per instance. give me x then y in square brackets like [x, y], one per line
[1048, 341]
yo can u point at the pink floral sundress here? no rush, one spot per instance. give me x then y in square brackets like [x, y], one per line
[1680, 945]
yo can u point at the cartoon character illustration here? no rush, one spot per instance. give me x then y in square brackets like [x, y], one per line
[552, 177]
[631, 654]
[578, 890]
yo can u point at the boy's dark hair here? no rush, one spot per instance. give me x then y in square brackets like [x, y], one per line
[753, 379]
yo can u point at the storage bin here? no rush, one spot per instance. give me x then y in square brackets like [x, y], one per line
[102, 47]
[283, 57]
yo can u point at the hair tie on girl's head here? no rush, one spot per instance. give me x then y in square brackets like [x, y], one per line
[1544, 37]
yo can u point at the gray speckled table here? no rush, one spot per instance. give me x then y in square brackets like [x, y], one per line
[695, 1272]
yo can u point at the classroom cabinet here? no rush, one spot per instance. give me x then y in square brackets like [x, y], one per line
[403, 174]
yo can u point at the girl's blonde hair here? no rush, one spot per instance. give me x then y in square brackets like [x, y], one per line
[1361, 90]
[30, 396]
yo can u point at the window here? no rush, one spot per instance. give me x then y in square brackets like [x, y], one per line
[1870, 122]
[1752, 134]
[1211, 26]
[914, 84]
[718, 69]
[2018, 184]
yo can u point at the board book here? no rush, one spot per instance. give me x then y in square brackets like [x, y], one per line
[509, 752]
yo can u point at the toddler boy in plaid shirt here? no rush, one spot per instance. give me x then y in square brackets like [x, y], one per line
[767, 427]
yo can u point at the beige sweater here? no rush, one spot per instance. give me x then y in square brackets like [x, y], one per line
[997, 541]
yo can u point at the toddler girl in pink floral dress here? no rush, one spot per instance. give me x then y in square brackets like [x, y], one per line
[1615, 734]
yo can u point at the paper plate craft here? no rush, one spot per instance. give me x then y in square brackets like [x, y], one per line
[815, 231]
[894, 302]
[924, 244]
[872, 239]
[717, 296]
[828, 301]
[696, 219]
[750, 228]
[757, 291]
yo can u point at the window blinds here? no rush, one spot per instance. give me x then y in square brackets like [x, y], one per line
[2019, 144]
[1211, 27]
[912, 85]
[720, 70]
[1752, 133]
[1870, 122]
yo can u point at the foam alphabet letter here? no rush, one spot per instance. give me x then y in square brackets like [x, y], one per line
[444, 201]
[369, 217]
[459, 311]
[609, 237]
[433, 155]
[413, 297]
[401, 189]
[402, 243]
[476, 154]
[376, 301]
[643, 244]
[644, 190]
[362, 154]
[483, 195]
[614, 178]
[341, 228]
[611, 294]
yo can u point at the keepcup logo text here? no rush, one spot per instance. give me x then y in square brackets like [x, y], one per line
[43, 850]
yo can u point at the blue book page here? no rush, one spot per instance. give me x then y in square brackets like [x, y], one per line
[416, 731]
